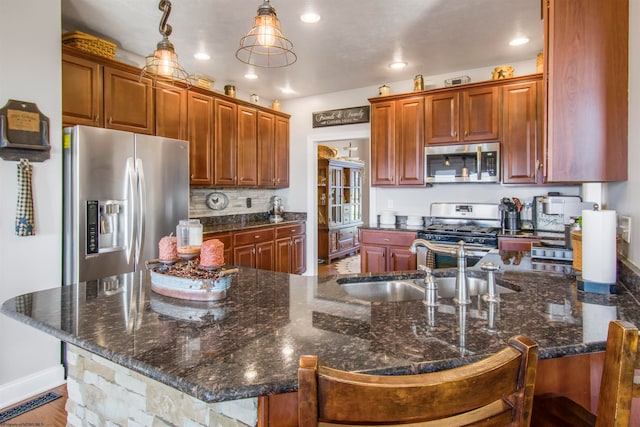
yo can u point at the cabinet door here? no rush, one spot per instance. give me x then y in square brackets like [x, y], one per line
[383, 147]
[480, 114]
[171, 111]
[225, 143]
[247, 147]
[373, 259]
[266, 150]
[200, 135]
[265, 256]
[521, 148]
[401, 259]
[283, 255]
[443, 118]
[81, 92]
[282, 152]
[410, 141]
[128, 101]
[299, 254]
[244, 256]
[587, 67]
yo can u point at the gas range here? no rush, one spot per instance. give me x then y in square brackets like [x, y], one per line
[477, 224]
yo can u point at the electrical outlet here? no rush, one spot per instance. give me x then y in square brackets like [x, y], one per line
[248, 202]
[625, 228]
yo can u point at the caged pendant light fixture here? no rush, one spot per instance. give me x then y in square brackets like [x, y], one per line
[265, 45]
[163, 63]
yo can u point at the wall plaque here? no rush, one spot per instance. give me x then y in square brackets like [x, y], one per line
[343, 116]
[24, 132]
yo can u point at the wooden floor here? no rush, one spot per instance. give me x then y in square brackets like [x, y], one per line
[52, 414]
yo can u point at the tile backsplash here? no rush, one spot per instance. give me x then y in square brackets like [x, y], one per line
[260, 201]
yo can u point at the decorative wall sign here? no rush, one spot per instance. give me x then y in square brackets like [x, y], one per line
[343, 116]
[24, 132]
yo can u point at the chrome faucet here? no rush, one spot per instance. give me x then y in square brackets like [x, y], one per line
[462, 284]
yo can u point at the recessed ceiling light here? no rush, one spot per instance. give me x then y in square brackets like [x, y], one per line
[310, 18]
[251, 76]
[518, 41]
[288, 90]
[201, 56]
[398, 65]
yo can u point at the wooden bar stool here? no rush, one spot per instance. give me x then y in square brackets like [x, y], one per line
[617, 387]
[497, 390]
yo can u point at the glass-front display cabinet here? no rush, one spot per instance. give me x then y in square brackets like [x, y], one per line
[339, 207]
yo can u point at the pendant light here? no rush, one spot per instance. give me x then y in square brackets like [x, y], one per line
[265, 45]
[163, 63]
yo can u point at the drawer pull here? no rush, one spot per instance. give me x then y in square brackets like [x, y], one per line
[386, 240]
[257, 236]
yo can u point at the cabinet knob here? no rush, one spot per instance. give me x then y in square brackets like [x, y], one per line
[259, 250]
[455, 134]
[386, 240]
[110, 120]
[466, 133]
[257, 236]
[96, 118]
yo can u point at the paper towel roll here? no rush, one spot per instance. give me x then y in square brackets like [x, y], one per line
[599, 246]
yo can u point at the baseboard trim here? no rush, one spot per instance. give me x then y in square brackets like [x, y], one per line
[31, 385]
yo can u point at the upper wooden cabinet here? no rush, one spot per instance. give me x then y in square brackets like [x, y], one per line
[201, 136]
[522, 132]
[586, 53]
[247, 158]
[467, 115]
[226, 149]
[81, 91]
[105, 95]
[171, 111]
[233, 143]
[273, 150]
[128, 101]
[397, 142]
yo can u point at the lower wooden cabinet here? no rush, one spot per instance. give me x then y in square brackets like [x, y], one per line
[521, 244]
[386, 250]
[336, 242]
[291, 249]
[255, 248]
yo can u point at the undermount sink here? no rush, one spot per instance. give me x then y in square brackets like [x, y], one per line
[410, 290]
[383, 291]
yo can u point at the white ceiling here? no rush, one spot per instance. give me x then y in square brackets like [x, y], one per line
[350, 47]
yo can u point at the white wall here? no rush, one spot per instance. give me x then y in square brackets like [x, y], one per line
[624, 197]
[30, 71]
[300, 196]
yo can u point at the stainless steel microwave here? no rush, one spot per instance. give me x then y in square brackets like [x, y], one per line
[463, 163]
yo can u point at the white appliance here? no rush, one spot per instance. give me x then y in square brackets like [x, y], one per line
[122, 193]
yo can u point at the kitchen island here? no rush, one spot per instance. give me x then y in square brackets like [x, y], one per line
[139, 356]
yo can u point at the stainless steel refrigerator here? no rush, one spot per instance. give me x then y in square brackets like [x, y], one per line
[122, 193]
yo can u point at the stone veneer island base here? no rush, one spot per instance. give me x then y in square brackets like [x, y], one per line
[103, 393]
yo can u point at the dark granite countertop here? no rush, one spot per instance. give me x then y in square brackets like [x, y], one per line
[249, 344]
[223, 224]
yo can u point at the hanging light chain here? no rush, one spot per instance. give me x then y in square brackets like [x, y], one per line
[165, 29]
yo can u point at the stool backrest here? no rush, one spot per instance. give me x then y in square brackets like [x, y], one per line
[495, 391]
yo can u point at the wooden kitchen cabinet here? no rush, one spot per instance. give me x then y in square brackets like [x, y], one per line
[397, 142]
[225, 142]
[291, 249]
[201, 136]
[105, 94]
[586, 76]
[81, 91]
[522, 133]
[247, 159]
[255, 248]
[463, 115]
[339, 207]
[273, 151]
[128, 101]
[386, 250]
[171, 111]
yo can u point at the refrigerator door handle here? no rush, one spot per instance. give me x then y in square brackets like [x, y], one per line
[142, 211]
[131, 172]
